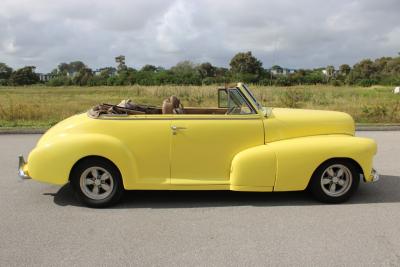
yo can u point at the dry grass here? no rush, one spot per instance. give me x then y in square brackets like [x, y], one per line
[37, 106]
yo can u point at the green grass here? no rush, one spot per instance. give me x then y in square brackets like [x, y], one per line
[40, 106]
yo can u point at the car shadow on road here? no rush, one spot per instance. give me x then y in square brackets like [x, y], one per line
[387, 190]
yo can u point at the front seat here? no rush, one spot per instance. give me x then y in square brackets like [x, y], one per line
[172, 105]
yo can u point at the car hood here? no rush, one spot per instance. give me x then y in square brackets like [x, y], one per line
[285, 123]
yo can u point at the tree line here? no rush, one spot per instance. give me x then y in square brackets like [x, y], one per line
[242, 67]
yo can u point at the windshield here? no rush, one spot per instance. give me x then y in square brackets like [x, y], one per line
[237, 103]
[252, 96]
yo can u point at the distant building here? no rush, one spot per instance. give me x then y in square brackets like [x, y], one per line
[282, 71]
[44, 77]
[111, 71]
[335, 73]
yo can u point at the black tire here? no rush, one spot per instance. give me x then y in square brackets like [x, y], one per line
[82, 189]
[320, 187]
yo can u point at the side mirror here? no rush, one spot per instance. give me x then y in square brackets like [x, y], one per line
[222, 98]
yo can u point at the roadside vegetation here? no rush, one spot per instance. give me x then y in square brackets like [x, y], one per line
[243, 66]
[43, 106]
[30, 99]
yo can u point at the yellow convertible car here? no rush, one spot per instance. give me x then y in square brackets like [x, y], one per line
[238, 146]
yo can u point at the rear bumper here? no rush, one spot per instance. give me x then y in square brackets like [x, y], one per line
[22, 173]
[374, 176]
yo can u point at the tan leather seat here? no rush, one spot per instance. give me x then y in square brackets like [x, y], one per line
[172, 105]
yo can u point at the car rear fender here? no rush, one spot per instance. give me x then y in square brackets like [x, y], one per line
[52, 162]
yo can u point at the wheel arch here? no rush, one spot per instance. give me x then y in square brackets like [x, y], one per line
[299, 158]
[64, 152]
[90, 157]
[346, 159]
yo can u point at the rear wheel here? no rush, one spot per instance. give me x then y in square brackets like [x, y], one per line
[335, 181]
[97, 182]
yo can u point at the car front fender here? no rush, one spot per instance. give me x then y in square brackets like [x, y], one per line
[288, 165]
[298, 158]
[254, 169]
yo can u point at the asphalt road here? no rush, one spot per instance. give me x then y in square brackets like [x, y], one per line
[42, 224]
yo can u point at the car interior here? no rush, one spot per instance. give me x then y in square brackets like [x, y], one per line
[230, 101]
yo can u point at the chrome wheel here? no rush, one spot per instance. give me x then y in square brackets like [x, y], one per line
[96, 183]
[336, 180]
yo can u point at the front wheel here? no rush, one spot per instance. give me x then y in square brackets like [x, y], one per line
[97, 182]
[335, 181]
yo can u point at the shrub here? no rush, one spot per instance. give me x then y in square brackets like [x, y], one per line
[377, 112]
[59, 81]
[367, 82]
[336, 83]
[290, 98]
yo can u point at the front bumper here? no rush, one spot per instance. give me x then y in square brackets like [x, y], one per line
[374, 176]
[21, 170]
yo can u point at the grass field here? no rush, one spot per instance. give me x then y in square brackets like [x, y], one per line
[40, 106]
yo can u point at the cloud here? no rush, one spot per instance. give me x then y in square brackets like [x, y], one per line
[299, 34]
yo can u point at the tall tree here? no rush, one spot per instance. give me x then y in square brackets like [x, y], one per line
[150, 68]
[381, 63]
[83, 77]
[344, 69]
[184, 67]
[277, 68]
[393, 67]
[121, 63]
[185, 72]
[330, 71]
[245, 63]
[71, 68]
[24, 76]
[207, 70]
[77, 66]
[5, 71]
[63, 68]
[364, 70]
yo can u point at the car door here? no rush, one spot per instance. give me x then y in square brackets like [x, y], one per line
[203, 146]
[149, 140]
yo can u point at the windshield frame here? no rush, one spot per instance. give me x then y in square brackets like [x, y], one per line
[250, 93]
[243, 100]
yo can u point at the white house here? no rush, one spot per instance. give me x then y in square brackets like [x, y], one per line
[44, 77]
[282, 71]
[334, 74]
[111, 71]
[396, 90]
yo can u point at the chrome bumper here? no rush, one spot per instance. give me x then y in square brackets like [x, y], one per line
[21, 164]
[374, 176]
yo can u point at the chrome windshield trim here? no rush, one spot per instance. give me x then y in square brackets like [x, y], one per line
[252, 96]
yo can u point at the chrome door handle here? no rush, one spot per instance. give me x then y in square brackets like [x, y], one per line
[174, 128]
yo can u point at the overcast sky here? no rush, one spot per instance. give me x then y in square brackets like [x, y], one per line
[295, 34]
